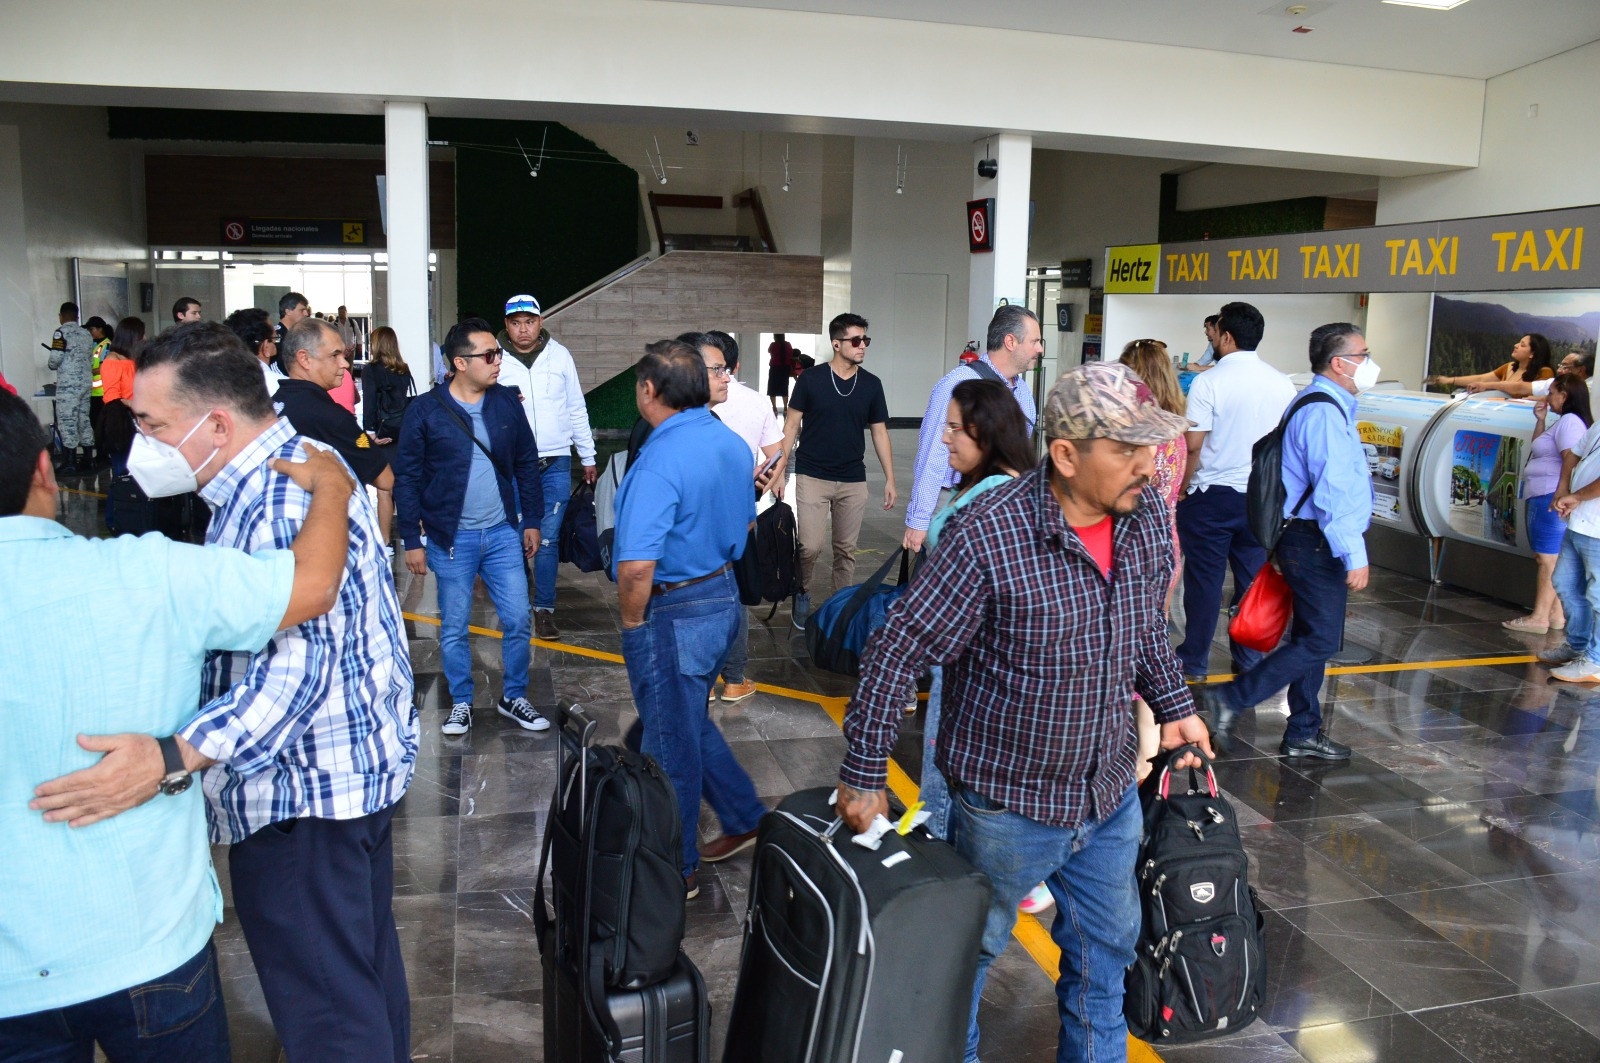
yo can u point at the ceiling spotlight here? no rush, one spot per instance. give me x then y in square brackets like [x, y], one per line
[988, 168]
[1431, 5]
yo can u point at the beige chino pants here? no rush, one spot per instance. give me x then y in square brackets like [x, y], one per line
[817, 503]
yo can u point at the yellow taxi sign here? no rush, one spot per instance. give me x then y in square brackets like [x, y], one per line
[1132, 269]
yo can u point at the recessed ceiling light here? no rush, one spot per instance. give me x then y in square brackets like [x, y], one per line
[1431, 5]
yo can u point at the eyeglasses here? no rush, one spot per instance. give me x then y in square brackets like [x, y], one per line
[719, 370]
[857, 341]
[490, 357]
[952, 428]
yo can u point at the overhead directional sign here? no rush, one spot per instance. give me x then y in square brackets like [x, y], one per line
[293, 232]
[1543, 249]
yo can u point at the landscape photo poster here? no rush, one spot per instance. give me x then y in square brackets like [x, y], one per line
[1484, 469]
[1474, 332]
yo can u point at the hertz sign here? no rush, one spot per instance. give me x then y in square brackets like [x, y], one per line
[1544, 249]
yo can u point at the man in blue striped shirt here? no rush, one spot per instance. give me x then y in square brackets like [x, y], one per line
[1015, 344]
[313, 740]
[1322, 554]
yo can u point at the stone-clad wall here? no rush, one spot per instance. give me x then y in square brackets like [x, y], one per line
[684, 291]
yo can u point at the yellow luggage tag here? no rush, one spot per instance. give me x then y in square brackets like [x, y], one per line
[908, 820]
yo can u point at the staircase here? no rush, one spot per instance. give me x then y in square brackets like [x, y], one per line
[607, 325]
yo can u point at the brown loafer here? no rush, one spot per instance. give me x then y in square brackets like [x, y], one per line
[738, 691]
[719, 849]
[544, 625]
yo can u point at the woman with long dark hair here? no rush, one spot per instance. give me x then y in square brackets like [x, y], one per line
[116, 376]
[386, 390]
[1569, 401]
[1530, 361]
[989, 446]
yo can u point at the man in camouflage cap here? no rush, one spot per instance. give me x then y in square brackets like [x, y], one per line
[1044, 605]
[71, 356]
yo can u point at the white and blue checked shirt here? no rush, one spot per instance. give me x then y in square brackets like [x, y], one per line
[932, 472]
[321, 723]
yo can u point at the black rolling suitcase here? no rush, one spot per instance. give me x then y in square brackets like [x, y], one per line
[132, 511]
[617, 988]
[852, 954]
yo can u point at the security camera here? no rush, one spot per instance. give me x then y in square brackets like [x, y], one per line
[988, 168]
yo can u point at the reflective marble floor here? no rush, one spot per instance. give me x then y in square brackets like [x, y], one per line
[1434, 899]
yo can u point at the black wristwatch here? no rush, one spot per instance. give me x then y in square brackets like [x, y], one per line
[177, 779]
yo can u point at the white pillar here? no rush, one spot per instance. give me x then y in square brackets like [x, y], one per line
[406, 167]
[1003, 272]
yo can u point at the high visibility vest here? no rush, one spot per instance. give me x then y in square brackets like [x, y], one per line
[98, 390]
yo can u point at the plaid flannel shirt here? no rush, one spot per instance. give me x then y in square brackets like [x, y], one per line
[322, 722]
[1042, 653]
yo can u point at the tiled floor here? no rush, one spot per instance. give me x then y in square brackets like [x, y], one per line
[1435, 899]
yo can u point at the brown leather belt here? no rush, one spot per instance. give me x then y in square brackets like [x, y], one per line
[663, 588]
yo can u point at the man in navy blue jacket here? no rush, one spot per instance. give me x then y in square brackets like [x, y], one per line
[466, 479]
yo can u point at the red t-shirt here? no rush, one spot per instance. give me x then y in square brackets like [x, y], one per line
[1096, 538]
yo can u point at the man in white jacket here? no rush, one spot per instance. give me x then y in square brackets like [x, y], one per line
[543, 373]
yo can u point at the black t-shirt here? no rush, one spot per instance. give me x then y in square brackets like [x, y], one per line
[316, 416]
[836, 414]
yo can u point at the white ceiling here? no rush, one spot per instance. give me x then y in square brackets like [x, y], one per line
[1480, 39]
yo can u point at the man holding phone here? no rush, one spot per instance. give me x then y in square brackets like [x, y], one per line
[751, 419]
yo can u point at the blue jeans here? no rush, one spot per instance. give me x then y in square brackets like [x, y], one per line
[673, 658]
[1089, 870]
[1214, 532]
[1577, 583]
[934, 792]
[496, 555]
[739, 653]
[179, 1015]
[1316, 579]
[557, 483]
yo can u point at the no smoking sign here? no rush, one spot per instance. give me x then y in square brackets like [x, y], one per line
[980, 225]
[233, 232]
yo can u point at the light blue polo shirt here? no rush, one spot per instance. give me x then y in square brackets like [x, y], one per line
[101, 636]
[688, 501]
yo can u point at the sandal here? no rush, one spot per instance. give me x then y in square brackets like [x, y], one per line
[1525, 625]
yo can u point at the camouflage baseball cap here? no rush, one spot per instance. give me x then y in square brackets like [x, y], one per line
[1107, 400]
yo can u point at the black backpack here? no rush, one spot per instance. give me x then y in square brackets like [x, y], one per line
[615, 850]
[1199, 969]
[393, 399]
[769, 568]
[579, 542]
[1266, 494]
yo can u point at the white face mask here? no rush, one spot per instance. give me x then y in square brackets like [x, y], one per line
[160, 468]
[1366, 374]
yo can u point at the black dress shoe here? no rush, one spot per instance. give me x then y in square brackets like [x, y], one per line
[1320, 746]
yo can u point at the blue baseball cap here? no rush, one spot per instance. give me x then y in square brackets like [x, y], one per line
[523, 304]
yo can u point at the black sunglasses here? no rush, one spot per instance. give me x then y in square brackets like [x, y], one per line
[857, 341]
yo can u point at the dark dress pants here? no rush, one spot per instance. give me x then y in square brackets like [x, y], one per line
[1316, 579]
[313, 897]
[1214, 532]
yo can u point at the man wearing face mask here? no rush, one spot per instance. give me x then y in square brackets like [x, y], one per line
[1328, 504]
[313, 740]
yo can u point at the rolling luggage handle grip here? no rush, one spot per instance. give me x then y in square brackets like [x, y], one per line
[1173, 755]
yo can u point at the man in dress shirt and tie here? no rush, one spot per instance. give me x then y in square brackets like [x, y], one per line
[1328, 504]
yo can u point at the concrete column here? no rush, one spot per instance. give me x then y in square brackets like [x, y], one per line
[406, 167]
[1003, 272]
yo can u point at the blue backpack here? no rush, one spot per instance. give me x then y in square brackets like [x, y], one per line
[837, 631]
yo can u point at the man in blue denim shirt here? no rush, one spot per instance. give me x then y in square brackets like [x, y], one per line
[682, 515]
[1328, 505]
[467, 475]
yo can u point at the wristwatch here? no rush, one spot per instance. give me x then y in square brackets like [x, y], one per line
[177, 779]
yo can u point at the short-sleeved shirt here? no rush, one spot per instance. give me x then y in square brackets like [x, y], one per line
[482, 507]
[686, 502]
[834, 414]
[88, 911]
[1235, 404]
[750, 416]
[315, 415]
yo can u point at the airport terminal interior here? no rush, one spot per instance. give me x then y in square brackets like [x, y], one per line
[1425, 169]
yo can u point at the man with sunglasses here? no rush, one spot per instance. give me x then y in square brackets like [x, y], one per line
[831, 406]
[467, 477]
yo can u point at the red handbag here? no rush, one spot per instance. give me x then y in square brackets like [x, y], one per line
[1264, 611]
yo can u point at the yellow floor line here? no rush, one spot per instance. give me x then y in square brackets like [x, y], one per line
[1407, 666]
[80, 491]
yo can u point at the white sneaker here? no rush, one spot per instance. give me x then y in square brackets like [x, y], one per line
[1037, 900]
[1581, 670]
[460, 721]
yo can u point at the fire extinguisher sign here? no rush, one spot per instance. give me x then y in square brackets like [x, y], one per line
[980, 225]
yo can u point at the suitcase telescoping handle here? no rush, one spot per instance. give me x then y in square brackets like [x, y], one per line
[1172, 757]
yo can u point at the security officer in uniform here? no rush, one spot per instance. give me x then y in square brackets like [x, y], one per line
[71, 357]
[316, 361]
[100, 332]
